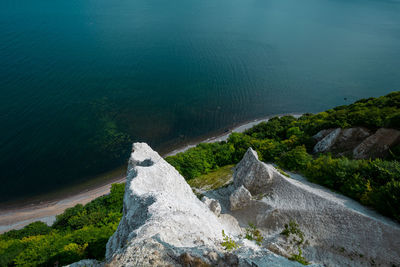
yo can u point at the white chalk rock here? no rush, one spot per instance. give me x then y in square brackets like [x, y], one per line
[86, 263]
[240, 198]
[252, 174]
[212, 204]
[327, 142]
[321, 134]
[339, 230]
[160, 208]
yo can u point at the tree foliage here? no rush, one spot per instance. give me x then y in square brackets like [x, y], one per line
[78, 233]
[82, 231]
[288, 142]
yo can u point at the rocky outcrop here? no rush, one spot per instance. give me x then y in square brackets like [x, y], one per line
[357, 142]
[247, 171]
[86, 263]
[327, 142]
[321, 134]
[212, 204]
[240, 198]
[337, 230]
[378, 144]
[160, 213]
[165, 224]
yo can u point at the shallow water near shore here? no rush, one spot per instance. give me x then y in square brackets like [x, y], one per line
[45, 207]
[81, 80]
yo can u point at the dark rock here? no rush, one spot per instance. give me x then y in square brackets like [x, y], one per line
[378, 144]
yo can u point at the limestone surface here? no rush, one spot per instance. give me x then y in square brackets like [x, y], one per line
[327, 142]
[377, 145]
[240, 198]
[357, 142]
[337, 230]
[165, 224]
[212, 204]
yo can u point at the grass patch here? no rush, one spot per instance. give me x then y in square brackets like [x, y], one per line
[282, 171]
[214, 179]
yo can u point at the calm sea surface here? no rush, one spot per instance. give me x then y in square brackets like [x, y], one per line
[81, 79]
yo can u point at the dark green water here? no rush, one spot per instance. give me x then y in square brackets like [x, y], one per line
[81, 79]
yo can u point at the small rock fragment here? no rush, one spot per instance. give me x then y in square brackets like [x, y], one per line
[212, 204]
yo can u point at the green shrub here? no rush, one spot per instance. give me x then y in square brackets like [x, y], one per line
[386, 199]
[78, 233]
[286, 140]
[229, 243]
[252, 233]
[35, 228]
[293, 229]
[9, 250]
[82, 231]
[296, 159]
[299, 257]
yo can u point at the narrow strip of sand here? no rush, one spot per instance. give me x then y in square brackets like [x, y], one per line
[224, 136]
[20, 216]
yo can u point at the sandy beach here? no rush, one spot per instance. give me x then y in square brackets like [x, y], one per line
[18, 216]
[46, 212]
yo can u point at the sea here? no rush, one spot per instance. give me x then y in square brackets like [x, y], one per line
[80, 80]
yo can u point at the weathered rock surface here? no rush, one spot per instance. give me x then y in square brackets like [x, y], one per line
[86, 263]
[357, 142]
[212, 204]
[338, 230]
[247, 171]
[165, 224]
[321, 134]
[160, 208]
[240, 198]
[378, 144]
[327, 142]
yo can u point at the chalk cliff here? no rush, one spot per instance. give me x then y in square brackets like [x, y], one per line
[357, 142]
[165, 224]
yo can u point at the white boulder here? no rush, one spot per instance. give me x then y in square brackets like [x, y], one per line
[240, 198]
[327, 142]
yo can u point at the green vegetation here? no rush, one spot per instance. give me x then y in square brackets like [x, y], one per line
[78, 233]
[202, 159]
[293, 229]
[293, 232]
[252, 233]
[299, 257]
[228, 244]
[82, 231]
[288, 142]
[214, 179]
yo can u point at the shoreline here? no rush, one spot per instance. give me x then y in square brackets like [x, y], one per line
[239, 128]
[16, 215]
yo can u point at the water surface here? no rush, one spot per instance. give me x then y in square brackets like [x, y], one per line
[81, 79]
